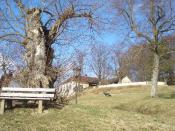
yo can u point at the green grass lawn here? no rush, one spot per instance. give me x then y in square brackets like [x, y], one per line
[129, 109]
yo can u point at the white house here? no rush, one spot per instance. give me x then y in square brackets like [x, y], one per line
[126, 80]
[68, 87]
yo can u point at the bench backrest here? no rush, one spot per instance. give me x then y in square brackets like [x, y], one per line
[27, 93]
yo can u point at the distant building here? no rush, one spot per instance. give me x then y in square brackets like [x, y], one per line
[68, 87]
[117, 81]
[113, 81]
[126, 80]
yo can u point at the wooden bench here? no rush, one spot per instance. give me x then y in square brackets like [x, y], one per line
[18, 93]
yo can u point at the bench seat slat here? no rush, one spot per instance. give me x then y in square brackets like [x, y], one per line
[27, 89]
[23, 98]
[27, 95]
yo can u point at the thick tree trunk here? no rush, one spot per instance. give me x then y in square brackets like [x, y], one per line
[39, 54]
[155, 75]
[38, 41]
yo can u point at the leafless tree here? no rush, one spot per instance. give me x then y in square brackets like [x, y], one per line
[80, 59]
[99, 61]
[6, 65]
[10, 57]
[119, 61]
[37, 28]
[138, 68]
[149, 20]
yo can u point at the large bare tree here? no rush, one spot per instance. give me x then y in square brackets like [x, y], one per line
[119, 61]
[149, 20]
[37, 28]
[99, 62]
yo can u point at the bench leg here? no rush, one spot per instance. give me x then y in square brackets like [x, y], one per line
[40, 106]
[9, 104]
[2, 107]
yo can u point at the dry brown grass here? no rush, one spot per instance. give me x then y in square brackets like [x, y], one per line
[129, 109]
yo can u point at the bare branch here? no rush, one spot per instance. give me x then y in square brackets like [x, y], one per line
[12, 34]
[67, 14]
[21, 6]
[170, 52]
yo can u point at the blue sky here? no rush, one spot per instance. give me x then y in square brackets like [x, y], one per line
[110, 34]
[106, 36]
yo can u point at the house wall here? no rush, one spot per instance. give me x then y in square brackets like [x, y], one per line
[68, 89]
[84, 85]
[126, 80]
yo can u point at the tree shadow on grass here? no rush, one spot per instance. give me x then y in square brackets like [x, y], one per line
[167, 95]
[140, 108]
[34, 105]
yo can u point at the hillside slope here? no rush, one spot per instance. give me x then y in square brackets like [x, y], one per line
[129, 109]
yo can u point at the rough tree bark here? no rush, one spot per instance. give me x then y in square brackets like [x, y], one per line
[38, 41]
[39, 34]
[39, 54]
[155, 75]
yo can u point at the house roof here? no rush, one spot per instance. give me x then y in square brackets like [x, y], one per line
[84, 79]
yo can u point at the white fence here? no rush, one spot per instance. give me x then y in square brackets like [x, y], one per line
[68, 89]
[129, 84]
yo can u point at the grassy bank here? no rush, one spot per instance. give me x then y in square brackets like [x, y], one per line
[127, 109]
